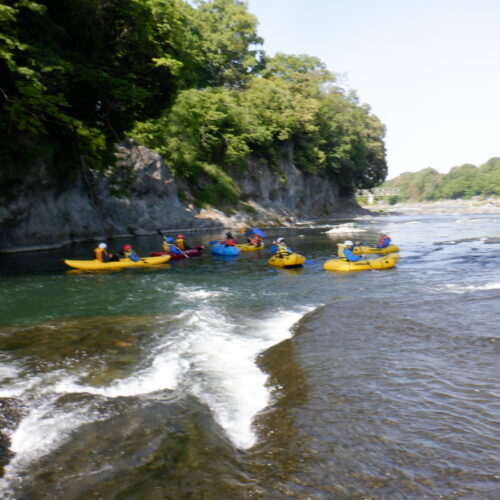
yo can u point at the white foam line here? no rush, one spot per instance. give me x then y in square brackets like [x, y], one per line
[345, 228]
[43, 429]
[473, 288]
[233, 385]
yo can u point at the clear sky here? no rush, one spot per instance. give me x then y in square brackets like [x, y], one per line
[429, 69]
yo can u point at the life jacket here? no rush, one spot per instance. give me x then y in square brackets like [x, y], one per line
[132, 256]
[98, 254]
[384, 241]
[179, 242]
[282, 251]
[229, 242]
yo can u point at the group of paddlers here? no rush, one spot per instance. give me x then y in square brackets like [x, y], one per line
[179, 245]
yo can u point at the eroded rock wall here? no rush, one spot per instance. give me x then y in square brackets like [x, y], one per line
[45, 215]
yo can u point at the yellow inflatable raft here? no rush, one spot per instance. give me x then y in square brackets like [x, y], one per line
[385, 262]
[245, 247]
[97, 265]
[288, 261]
[364, 250]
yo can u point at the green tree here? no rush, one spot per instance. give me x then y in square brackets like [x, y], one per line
[76, 74]
[227, 40]
[460, 182]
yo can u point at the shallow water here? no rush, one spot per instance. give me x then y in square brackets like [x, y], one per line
[226, 378]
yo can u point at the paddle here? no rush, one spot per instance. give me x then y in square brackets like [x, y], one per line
[164, 237]
[256, 231]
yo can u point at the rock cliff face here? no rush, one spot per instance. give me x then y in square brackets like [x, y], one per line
[289, 190]
[47, 216]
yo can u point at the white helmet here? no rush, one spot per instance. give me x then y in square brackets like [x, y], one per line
[280, 240]
[103, 246]
[348, 243]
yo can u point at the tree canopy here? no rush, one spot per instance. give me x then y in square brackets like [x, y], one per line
[464, 181]
[186, 78]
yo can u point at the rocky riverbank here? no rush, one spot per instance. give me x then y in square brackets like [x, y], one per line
[44, 214]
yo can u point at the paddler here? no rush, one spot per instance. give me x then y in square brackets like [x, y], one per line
[103, 255]
[169, 246]
[129, 252]
[348, 252]
[254, 240]
[281, 249]
[230, 241]
[384, 241]
[181, 243]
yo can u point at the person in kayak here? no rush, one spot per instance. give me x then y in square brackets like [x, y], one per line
[254, 240]
[348, 252]
[129, 252]
[281, 249]
[181, 243]
[169, 246]
[230, 241]
[384, 241]
[103, 255]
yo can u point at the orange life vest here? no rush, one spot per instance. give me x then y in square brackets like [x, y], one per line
[99, 252]
[179, 243]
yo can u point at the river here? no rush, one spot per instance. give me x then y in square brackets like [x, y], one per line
[221, 379]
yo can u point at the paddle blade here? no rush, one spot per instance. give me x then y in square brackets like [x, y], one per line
[256, 231]
[307, 261]
[213, 242]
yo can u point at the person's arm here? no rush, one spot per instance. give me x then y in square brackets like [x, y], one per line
[350, 256]
[133, 257]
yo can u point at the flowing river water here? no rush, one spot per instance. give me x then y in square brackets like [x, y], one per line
[222, 379]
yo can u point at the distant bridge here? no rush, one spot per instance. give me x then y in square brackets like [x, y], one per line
[379, 192]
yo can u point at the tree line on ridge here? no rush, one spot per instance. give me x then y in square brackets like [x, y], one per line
[184, 78]
[461, 182]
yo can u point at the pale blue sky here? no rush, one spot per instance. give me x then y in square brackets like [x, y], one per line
[429, 69]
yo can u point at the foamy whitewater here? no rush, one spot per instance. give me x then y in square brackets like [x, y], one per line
[472, 288]
[206, 355]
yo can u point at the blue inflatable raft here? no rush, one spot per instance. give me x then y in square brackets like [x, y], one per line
[221, 249]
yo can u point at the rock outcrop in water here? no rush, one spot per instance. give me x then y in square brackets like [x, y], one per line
[47, 214]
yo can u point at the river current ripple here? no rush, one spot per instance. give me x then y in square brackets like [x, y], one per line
[230, 379]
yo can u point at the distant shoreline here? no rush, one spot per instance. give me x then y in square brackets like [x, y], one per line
[439, 207]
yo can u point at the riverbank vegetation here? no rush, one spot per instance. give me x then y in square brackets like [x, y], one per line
[184, 78]
[461, 182]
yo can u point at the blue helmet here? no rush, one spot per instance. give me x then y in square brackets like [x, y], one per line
[170, 239]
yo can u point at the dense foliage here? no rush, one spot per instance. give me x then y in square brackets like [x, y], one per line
[209, 133]
[77, 76]
[464, 181]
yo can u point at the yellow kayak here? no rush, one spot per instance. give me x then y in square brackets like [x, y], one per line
[385, 262]
[363, 250]
[97, 265]
[245, 247]
[292, 260]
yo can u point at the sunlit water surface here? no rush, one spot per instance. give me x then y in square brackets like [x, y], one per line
[216, 378]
